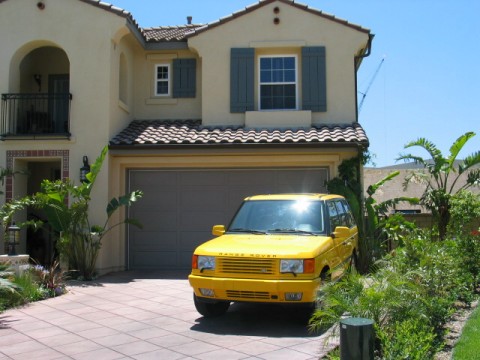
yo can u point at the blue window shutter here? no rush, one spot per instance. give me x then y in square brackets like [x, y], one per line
[314, 79]
[184, 78]
[241, 79]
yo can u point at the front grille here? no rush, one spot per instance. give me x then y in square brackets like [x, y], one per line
[238, 294]
[246, 266]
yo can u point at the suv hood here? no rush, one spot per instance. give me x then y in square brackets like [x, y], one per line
[267, 246]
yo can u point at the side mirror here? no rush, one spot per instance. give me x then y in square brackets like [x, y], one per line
[218, 230]
[341, 232]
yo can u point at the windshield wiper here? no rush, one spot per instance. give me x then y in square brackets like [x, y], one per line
[250, 231]
[293, 231]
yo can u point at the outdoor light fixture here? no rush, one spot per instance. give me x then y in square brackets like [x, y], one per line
[38, 80]
[13, 238]
[84, 170]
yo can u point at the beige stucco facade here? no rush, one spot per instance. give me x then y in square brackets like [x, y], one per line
[111, 78]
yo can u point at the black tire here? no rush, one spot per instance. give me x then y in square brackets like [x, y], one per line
[210, 309]
[353, 263]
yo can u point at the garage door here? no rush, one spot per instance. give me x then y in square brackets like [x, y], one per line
[180, 207]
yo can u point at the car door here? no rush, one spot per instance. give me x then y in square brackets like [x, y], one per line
[346, 244]
[334, 221]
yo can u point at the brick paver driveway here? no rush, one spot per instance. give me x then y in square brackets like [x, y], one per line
[131, 315]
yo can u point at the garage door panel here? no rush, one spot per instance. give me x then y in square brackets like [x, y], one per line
[155, 260]
[203, 178]
[156, 221]
[151, 196]
[204, 199]
[201, 220]
[193, 238]
[251, 177]
[155, 241]
[150, 178]
[185, 260]
[180, 207]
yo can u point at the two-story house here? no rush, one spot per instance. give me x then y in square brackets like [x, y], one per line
[196, 116]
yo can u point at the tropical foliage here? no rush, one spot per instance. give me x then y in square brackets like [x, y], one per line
[377, 229]
[442, 175]
[410, 296]
[66, 206]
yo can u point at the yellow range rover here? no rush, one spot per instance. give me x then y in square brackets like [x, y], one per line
[277, 249]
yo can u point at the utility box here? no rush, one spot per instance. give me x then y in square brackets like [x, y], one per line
[356, 339]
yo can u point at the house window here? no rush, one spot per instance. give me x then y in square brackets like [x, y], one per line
[162, 80]
[278, 82]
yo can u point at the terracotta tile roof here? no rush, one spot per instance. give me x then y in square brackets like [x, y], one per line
[182, 32]
[192, 132]
[169, 33]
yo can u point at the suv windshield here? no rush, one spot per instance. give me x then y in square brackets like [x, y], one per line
[280, 216]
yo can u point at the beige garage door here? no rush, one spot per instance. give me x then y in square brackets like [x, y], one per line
[180, 207]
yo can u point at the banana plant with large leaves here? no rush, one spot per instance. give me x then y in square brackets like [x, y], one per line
[443, 177]
[375, 225]
[66, 206]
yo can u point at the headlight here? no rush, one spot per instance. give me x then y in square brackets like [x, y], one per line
[303, 266]
[206, 262]
[291, 266]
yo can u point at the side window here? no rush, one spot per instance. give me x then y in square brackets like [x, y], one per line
[342, 215]
[162, 80]
[348, 214]
[333, 215]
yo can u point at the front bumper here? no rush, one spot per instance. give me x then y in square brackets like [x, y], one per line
[255, 290]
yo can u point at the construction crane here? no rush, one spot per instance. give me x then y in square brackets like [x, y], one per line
[364, 94]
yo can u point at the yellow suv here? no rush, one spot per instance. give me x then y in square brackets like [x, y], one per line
[277, 249]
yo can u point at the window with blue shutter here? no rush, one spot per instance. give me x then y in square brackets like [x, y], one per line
[314, 79]
[184, 78]
[278, 82]
[242, 79]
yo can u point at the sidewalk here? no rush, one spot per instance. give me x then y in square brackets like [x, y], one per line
[133, 315]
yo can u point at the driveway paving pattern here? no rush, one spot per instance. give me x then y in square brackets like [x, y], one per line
[150, 315]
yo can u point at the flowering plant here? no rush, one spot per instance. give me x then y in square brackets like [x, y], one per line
[51, 278]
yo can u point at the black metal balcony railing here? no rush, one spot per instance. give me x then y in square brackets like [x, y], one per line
[35, 115]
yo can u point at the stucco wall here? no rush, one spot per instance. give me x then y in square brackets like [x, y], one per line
[296, 28]
[84, 33]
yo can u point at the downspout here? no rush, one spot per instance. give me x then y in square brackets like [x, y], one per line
[361, 148]
[357, 60]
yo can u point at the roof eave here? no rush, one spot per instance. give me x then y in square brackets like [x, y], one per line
[238, 145]
[262, 3]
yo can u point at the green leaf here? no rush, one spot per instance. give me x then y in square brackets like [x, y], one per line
[374, 187]
[457, 146]
[125, 200]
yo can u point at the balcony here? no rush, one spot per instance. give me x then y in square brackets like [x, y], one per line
[32, 116]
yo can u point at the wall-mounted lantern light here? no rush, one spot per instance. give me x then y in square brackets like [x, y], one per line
[13, 239]
[38, 80]
[84, 170]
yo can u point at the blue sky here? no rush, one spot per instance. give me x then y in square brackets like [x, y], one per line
[428, 85]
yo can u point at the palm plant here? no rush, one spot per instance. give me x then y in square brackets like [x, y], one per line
[442, 176]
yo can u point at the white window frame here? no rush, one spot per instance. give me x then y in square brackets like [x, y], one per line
[168, 80]
[278, 83]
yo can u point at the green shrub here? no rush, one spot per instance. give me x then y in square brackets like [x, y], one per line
[411, 339]
[29, 289]
[8, 290]
[410, 296]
